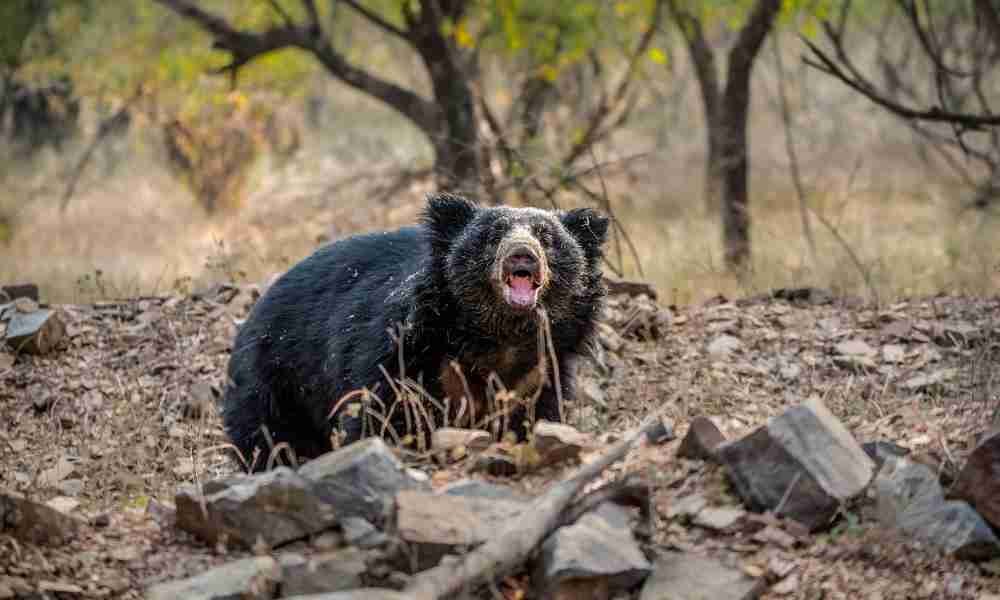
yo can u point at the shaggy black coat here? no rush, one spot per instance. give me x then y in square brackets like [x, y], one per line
[321, 330]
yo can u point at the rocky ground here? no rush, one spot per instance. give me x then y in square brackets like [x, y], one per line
[112, 421]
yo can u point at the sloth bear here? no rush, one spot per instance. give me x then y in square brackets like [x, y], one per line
[466, 292]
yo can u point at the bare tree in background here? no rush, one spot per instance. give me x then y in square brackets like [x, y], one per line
[953, 105]
[726, 106]
[466, 135]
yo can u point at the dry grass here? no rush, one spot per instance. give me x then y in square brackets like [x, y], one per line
[908, 247]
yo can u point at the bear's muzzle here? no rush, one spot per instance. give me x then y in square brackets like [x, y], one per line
[522, 271]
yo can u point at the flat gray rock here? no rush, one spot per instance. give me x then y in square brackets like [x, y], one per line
[361, 479]
[437, 524]
[679, 576]
[599, 546]
[277, 507]
[805, 452]
[255, 577]
[721, 518]
[910, 500]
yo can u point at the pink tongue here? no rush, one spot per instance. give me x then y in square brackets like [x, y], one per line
[521, 290]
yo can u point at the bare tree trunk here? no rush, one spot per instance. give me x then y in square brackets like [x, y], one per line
[455, 140]
[726, 109]
[714, 173]
[456, 144]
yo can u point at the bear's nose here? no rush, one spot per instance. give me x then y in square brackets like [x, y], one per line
[521, 261]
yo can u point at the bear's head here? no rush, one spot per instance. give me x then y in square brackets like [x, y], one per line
[500, 264]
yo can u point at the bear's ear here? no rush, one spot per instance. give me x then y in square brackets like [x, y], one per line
[446, 216]
[589, 227]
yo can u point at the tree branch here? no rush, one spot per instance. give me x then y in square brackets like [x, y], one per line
[609, 105]
[750, 39]
[841, 67]
[281, 12]
[245, 46]
[378, 21]
[702, 56]
[310, 6]
[824, 63]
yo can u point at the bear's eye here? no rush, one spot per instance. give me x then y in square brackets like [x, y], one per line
[543, 235]
[496, 233]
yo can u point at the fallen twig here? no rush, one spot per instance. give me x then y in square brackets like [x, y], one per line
[515, 542]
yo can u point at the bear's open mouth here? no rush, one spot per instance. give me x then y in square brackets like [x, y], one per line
[521, 289]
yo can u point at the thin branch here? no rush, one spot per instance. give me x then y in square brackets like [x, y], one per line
[245, 46]
[104, 129]
[378, 21]
[852, 77]
[860, 266]
[793, 159]
[925, 37]
[281, 12]
[313, 13]
[702, 56]
[609, 105]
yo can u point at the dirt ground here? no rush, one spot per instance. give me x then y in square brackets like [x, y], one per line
[123, 414]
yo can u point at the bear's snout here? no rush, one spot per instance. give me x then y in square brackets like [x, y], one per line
[522, 271]
[521, 260]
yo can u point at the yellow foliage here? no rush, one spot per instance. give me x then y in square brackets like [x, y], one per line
[548, 72]
[462, 36]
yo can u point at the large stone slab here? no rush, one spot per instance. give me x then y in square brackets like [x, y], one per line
[678, 576]
[277, 507]
[438, 524]
[599, 548]
[361, 479]
[804, 461]
[910, 500]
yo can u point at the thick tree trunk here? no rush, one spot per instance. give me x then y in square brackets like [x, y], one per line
[736, 105]
[726, 109]
[455, 139]
[456, 145]
[732, 166]
[713, 162]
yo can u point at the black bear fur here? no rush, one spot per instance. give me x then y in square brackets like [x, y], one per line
[322, 329]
